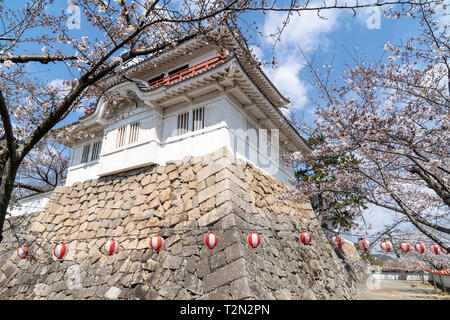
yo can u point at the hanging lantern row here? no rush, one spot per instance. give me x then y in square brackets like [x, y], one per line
[419, 247]
[402, 269]
[441, 272]
[156, 242]
[386, 246]
[417, 265]
[111, 246]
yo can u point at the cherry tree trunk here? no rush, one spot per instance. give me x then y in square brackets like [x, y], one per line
[6, 189]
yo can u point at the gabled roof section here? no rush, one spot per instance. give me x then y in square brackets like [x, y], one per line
[257, 86]
[233, 41]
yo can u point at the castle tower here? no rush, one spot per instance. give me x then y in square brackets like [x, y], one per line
[189, 101]
[170, 151]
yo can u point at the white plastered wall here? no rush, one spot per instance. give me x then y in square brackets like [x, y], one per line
[225, 126]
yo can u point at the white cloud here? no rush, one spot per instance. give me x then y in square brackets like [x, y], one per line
[286, 78]
[308, 32]
[258, 52]
[57, 84]
[443, 17]
[62, 90]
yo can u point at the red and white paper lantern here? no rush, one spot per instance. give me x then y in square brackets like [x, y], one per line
[435, 249]
[386, 245]
[405, 247]
[253, 240]
[22, 252]
[419, 247]
[363, 244]
[60, 251]
[156, 242]
[337, 241]
[211, 240]
[305, 237]
[111, 246]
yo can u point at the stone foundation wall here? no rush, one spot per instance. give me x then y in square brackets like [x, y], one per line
[181, 201]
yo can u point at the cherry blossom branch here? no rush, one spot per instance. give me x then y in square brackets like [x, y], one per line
[29, 187]
[416, 216]
[297, 7]
[403, 207]
[44, 59]
[437, 185]
[417, 225]
[437, 42]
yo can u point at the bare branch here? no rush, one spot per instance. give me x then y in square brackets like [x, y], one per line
[44, 59]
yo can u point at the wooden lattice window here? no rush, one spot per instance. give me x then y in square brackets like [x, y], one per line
[183, 123]
[85, 154]
[121, 134]
[96, 150]
[134, 133]
[198, 119]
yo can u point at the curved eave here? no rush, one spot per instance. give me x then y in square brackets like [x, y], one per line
[254, 71]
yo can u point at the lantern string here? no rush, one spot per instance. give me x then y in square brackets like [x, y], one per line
[178, 230]
[366, 236]
[173, 230]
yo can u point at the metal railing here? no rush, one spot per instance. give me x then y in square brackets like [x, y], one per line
[202, 66]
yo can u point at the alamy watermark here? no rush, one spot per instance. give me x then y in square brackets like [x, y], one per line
[373, 282]
[74, 277]
[374, 18]
[74, 20]
[259, 146]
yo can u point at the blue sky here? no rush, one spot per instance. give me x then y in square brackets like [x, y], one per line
[326, 40]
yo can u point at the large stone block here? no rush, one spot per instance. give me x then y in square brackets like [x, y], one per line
[225, 275]
[215, 214]
[172, 262]
[113, 293]
[240, 289]
[169, 290]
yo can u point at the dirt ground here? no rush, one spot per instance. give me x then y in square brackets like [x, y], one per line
[400, 290]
